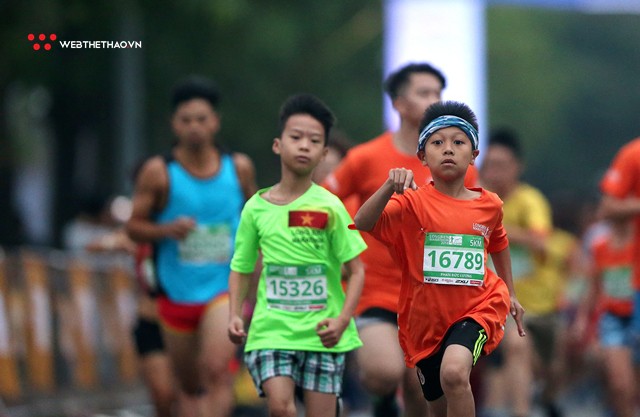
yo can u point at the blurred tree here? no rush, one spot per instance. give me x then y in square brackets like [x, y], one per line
[566, 82]
[258, 52]
[261, 52]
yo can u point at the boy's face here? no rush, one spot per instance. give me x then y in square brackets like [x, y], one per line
[421, 91]
[195, 122]
[448, 154]
[327, 164]
[301, 145]
[500, 168]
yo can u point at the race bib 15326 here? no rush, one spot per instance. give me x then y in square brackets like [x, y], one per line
[296, 288]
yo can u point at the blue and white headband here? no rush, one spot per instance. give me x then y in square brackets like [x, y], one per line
[447, 121]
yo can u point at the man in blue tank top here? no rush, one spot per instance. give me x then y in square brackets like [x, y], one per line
[188, 204]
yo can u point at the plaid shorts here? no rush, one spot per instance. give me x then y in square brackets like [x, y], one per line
[313, 371]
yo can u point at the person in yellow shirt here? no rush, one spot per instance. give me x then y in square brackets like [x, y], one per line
[529, 225]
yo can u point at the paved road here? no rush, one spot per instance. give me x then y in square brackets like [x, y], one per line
[132, 401]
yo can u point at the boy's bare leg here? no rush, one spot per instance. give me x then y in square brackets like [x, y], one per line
[455, 372]
[280, 398]
[217, 351]
[438, 408]
[414, 403]
[621, 380]
[158, 376]
[380, 360]
[318, 404]
[182, 350]
[518, 355]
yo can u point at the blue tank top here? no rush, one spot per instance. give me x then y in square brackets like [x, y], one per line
[196, 269]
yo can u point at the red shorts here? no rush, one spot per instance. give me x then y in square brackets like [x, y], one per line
[184, 318]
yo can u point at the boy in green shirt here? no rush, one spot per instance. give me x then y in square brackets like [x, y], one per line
[302, 325]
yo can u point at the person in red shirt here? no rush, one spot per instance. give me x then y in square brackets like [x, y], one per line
[621, 198]
[411, 89]
[452, 308]
[610, 296]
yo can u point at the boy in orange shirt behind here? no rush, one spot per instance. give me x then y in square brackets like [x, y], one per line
[452, 308]
[610, 297]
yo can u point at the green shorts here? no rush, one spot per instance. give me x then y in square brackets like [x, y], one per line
[313, 371]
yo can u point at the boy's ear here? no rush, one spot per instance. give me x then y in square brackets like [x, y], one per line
[217, 120]
[399, 104]
[275, 147]
[474, 155]
[422, 156]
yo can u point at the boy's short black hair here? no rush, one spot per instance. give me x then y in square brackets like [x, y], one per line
[448, 108]
[339, 141]
[507, 137]
[307, 104]
[398, 79]
[195, 86]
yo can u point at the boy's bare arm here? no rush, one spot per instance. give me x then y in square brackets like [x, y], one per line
[612, 208]
[399, 180]
[238, 289]
[502, 262]
[150, 191]
[536, 241]
[355, 282]
[587, 305]
[246, 174]
[331, 329]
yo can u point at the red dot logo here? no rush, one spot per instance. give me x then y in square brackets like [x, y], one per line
[43, 38]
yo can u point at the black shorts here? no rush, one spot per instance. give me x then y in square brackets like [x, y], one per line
[467, 333]
[148, 337]
[376, 315]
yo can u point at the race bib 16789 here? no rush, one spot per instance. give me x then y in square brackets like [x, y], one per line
[453, 259]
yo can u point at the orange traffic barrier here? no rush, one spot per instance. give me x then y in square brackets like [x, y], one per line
[9, 376]
[39, 332]
[65, 323]
[84, 307]
[124, 304]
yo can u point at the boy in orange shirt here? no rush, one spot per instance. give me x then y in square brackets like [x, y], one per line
[451, 307]
[610, 296]
[412, 88]
[621, 198]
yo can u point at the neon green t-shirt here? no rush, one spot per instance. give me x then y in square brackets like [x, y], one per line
[303, 245]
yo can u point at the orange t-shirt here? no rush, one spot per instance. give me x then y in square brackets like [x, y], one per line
[364, 169]
[613, 265]
[621, 180]
[427, 309]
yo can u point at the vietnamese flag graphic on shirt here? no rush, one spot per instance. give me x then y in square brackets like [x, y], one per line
[313, 219]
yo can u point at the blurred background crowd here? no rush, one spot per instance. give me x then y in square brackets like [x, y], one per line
[75, 122]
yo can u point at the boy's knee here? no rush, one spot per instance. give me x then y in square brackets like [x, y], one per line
[621, 390]
[193, 389]
[381, 380]
[163, 393]
[517, 351]
[282, 409]
[454, 377]
[217, 369]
